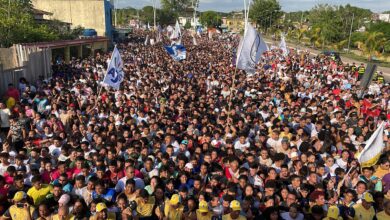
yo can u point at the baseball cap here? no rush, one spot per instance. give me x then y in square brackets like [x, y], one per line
[100, 207]
[174, 199]
[333, 212]
[235, 205]
[19, 196]
[64, 199]
[368, 197]
[203, 206]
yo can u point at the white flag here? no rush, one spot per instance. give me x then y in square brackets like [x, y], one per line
[176, 33]
[373, 149]
[146, 40]
[114, 75]
[194, 40]
[250, 49]
[283, 46]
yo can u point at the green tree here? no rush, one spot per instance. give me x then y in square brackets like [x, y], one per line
[166, 17]
[124, 15]
[210, 19]
[17, 24]
[373, 44]
[176, 6]
[187, 25]
[265, 12]
[147, 14]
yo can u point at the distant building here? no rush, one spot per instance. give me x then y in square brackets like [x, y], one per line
[188, 19]
[92, 14]
[381, 17]
[235, 22]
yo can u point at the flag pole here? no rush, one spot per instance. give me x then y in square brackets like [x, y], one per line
[246, 12]
[101, 86]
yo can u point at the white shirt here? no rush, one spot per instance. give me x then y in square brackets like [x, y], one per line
[4, 117]
[54, 151]
[286, 216]
[275, 144]
[3, 168]
[342, 163]
[242, 147]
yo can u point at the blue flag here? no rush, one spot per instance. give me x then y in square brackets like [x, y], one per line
[114, 75]
[177, 52]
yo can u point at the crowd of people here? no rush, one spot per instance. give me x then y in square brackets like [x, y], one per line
[195, 139]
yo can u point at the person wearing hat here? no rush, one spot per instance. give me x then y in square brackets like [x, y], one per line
[173, 210]
[203, 212]
[20, 209]
[235, 211]
[365, 210]
[102, 213]
[333, 213]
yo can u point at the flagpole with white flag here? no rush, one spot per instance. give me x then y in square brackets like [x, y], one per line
[373, 149]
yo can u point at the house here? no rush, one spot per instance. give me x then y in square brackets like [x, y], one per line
[89, 14]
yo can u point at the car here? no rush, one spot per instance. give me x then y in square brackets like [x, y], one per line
[334, 54]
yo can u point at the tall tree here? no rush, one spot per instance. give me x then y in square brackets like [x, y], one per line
[210, 19]
[373, 44]
[17, 24]
[265, 12]
[176, 6]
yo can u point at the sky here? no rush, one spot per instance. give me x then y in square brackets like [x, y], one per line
[287, 5]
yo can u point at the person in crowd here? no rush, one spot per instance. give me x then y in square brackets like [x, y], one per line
[195, 139]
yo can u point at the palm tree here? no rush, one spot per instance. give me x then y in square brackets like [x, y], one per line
[372, 43]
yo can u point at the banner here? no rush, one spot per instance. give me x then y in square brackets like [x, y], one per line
[283, 46]
[250, 49]
[114, 75]
[373, 149]
[177, 52]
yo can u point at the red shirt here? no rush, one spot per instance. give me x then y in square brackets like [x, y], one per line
[14, 93]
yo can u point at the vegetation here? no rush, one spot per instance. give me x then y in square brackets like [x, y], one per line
[265, 13]
[20, 27]
[210, 19]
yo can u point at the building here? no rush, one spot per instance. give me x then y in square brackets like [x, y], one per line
[235, 22]
[89, 14]
[66, 49]
[188, 19]
[381, 17]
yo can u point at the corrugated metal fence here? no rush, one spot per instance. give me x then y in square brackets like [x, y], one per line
[28, 62]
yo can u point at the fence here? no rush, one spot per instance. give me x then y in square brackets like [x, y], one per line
[27, 62]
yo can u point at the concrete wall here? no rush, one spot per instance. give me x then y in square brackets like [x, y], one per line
[7, 58]
[86, 13]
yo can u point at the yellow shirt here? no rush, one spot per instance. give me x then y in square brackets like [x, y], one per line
[56, 217]
[199, 216]
[227, 217]
[382, 216]
[171, 213]
[39, 195]
[17, 213]
[111, 216]
[145, 209]
[363, 214]
[381, 172]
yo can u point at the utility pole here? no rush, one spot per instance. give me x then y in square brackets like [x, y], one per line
[301, 19]
[350, 31]
[115, 1]
[154, 14]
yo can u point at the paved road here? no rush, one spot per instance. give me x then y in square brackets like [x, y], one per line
[385, 70]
